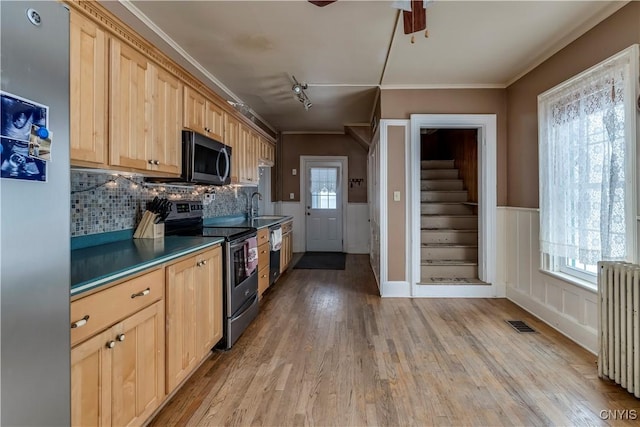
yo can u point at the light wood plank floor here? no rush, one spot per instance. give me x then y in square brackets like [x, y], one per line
[327, 350]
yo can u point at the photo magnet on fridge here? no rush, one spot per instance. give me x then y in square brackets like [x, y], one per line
[19, 115]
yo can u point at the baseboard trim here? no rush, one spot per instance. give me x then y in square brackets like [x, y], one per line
[396, 289]
[454, 291]
[585, 337]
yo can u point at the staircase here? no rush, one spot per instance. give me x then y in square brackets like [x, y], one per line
[449, 227]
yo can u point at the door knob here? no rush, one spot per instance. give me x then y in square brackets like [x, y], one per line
[308, 213]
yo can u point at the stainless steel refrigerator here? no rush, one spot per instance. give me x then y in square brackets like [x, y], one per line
[35, 217]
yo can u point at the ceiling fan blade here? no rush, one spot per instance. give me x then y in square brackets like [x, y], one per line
[322, 3]
[416, 20]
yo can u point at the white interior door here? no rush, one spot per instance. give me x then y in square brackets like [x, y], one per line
[324, 206]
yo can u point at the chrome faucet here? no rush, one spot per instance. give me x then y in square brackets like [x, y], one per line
[253, 213]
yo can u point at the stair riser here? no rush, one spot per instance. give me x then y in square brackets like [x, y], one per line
[449, 271]
[453, 185]
[439, 174]
[437, 164]
[445, 209]
[433, 196]
[451, 237]
[457, 223]
[453, 253]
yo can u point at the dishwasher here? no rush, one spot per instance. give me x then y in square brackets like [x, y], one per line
[275, 242]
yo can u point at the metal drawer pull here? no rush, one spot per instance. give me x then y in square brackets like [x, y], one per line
[120, 337]
[142, 293]
[111, 344]
[201, 263]
[80, 323]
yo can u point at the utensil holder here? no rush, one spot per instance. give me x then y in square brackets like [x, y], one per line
[148, 229]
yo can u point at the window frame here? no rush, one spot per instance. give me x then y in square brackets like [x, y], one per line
[558, 265]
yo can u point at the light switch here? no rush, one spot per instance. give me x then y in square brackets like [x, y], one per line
[396, 196]
[291, 195]
[294, 171]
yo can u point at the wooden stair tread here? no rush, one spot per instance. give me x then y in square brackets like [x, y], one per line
[447, 262]
[454, 230]
[447, 245]
[452, 281]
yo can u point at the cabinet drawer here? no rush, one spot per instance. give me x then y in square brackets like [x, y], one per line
[263, 236]
[107, 307]
[263, 280]
[287, 227]
[263, 256]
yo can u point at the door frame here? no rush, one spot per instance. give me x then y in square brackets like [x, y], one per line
[344, 161]
[486, 126]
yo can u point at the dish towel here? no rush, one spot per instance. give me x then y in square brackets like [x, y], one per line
[251, 249]
[276, 239]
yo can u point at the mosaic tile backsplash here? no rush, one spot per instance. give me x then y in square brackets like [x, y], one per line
[102, 202]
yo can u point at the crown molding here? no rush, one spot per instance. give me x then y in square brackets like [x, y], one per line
[570, 37]
[444, 86]
[185, 55]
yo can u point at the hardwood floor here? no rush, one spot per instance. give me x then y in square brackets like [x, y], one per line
[327, 350]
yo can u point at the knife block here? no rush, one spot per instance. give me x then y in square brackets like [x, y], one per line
[153, 231]
[148, 229]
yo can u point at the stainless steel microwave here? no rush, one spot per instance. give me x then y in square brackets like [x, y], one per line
[205, 160]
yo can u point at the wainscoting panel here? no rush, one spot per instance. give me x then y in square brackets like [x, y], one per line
[569, 308]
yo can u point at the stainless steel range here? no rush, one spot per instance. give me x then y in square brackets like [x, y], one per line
[240, 282]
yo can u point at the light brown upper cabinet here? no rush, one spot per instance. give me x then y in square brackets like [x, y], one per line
[130, 107]
[267, 153]
[232, 139]
[88, 87]
[202, 115]
[166, 151]
[145, 111]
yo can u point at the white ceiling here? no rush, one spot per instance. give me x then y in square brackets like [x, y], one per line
[248, 50]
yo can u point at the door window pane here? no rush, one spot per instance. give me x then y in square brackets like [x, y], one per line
[323, 188]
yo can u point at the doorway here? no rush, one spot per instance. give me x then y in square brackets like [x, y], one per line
[486, 141]
[324, 201]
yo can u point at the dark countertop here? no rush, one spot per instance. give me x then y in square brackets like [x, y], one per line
[255, 223]
[97, 265]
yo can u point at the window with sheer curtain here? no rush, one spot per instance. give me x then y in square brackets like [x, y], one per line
[587, 142]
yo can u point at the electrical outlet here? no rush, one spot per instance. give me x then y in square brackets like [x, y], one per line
[209, 197]
[396, 196]
[294, 172]
[292, 195]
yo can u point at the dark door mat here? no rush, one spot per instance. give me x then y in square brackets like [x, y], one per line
[321, 261]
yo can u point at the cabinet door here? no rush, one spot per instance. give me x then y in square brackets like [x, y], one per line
[167, 123]
[129, 107]
[244, 144]
[208, 285]
[214, 122]
[137, 373]
[195, 110]
[88, 91]
[252, 162]
[91, 382]
[182, 354]
[232, 139]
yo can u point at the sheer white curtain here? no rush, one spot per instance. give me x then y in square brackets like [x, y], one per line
[583, 154]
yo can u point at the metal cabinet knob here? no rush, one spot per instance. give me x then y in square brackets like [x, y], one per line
[120, 337]
[111, 344]
[150, 161]
[156, 162]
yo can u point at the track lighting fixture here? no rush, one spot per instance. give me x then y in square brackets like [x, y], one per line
[299, 93]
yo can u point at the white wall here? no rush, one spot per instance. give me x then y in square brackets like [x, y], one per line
[569, 308]
[356, 230]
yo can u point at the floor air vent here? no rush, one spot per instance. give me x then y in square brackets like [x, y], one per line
[520, 326]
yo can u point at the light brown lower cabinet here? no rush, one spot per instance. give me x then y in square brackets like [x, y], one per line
[194, 313]
[286, 250]
[117, 376]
